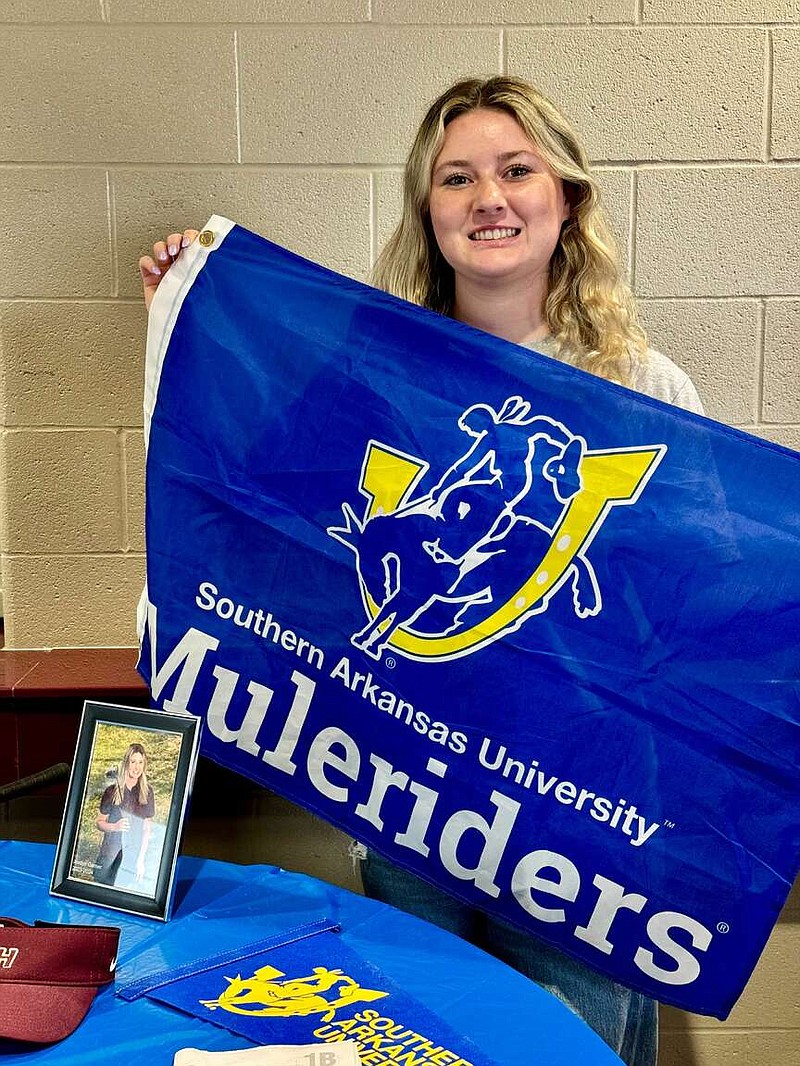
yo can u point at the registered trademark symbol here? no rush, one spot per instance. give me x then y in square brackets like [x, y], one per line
[723, 927]
[390, 662]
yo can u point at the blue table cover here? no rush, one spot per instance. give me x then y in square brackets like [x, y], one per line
[221, 905]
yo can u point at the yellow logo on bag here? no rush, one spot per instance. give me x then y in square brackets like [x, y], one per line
[323, 992]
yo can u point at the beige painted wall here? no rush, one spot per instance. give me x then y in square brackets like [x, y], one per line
[122, 119]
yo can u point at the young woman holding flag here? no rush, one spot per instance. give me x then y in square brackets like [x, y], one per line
[502, 228]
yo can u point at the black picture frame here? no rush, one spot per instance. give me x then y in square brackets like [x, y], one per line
[132, 868]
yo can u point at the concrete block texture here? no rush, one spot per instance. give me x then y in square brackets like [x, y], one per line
[786, 436]
[128, 94]
[72, 601]
[133, 453]
[616, 189]
[51, 11]
[791, 908]
[3, 493]
[56, 232]
[785, 133]
[239, 11]
[72, 364]
[323, 215]
[723, 231]
[711, 11]
[355, 95]
[781, 388]
[388, 204]
[730, 1047]
[503, 11]
[717, 344]
[639, 94]
[64, 490]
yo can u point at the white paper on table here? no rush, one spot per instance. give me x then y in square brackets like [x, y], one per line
[343, 1053]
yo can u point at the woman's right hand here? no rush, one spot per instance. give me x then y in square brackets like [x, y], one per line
[120, 826]
[152, 268]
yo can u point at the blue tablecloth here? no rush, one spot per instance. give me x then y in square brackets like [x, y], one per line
[220, 905]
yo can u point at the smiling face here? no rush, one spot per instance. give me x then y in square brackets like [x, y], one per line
[136, 764]
[496, 207]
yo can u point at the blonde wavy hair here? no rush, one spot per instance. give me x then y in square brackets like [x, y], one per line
[122, 770]
[589, 308]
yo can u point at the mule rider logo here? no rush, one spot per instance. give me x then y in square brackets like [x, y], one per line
[506, 526]
[323, 992]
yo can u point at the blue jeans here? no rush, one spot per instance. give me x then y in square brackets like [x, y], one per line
[626, 1020]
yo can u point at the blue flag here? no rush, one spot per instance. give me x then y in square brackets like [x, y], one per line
[310, 987]
[530, 634]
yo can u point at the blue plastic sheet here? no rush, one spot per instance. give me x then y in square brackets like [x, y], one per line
[220, 907]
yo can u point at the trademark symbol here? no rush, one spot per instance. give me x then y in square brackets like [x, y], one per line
[390, 662]
[668, 824]
[723, 927]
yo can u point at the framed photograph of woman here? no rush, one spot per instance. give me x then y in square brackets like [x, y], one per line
[126, 803]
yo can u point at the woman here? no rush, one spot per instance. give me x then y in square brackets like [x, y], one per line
[502, 229]
[126, 815]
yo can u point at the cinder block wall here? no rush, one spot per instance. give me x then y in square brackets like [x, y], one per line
[122, 119]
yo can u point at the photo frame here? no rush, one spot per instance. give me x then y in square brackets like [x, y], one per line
[126, 803]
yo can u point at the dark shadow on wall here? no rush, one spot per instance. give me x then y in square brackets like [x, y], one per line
[676, 1042]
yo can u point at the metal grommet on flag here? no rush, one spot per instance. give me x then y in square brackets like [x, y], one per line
[206, 238]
